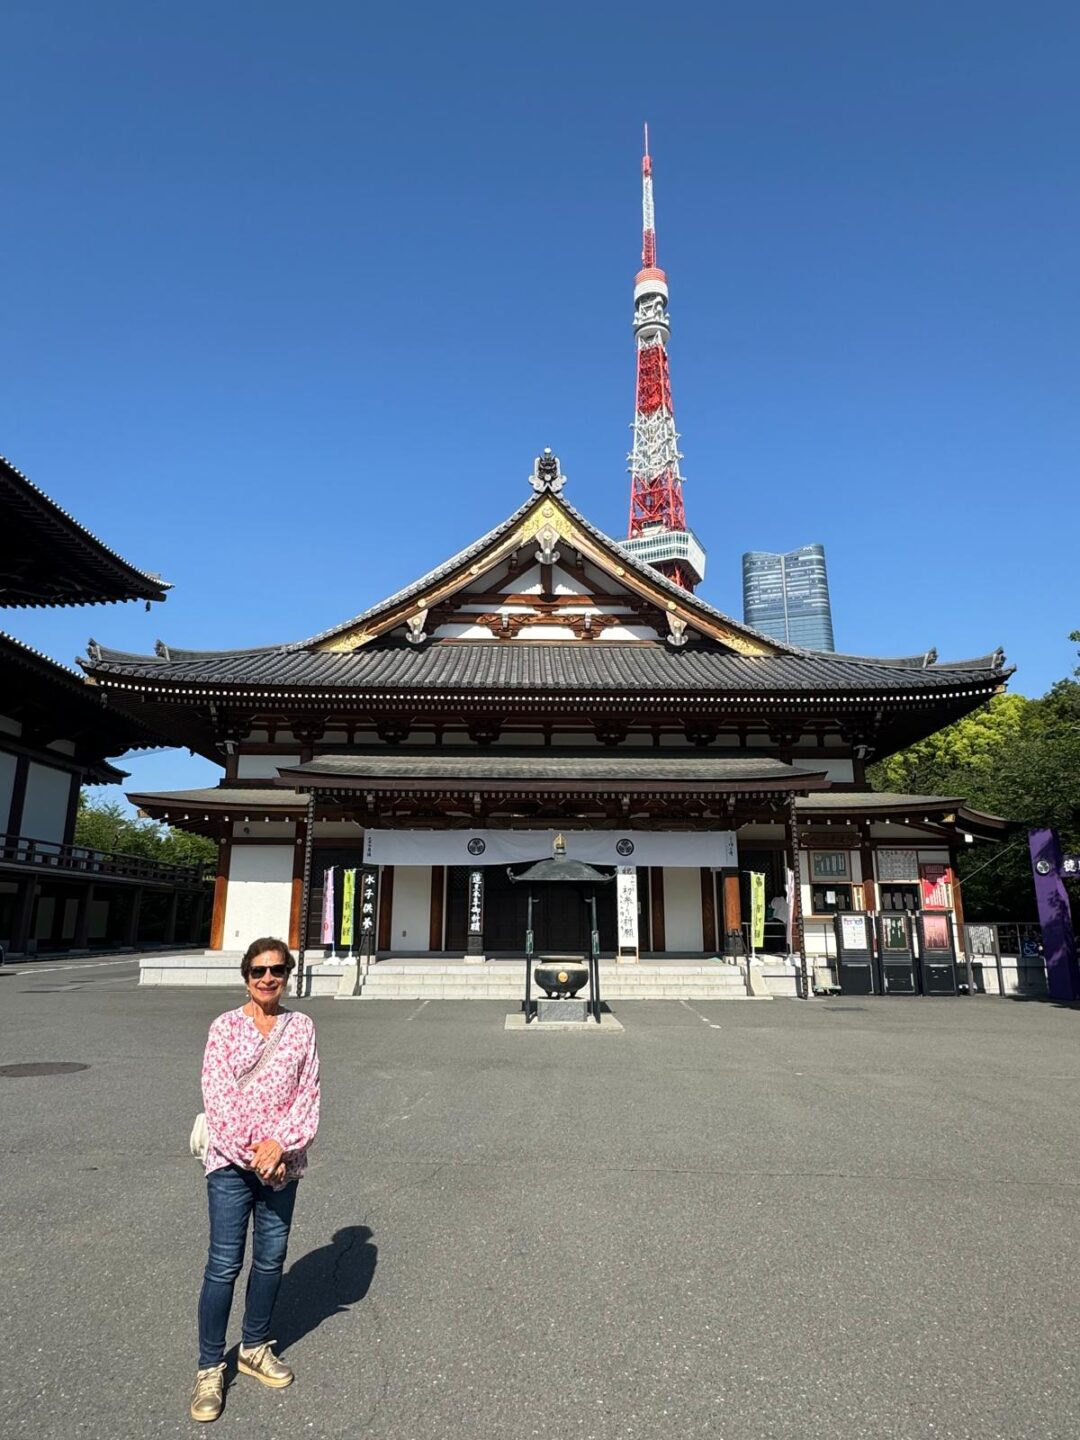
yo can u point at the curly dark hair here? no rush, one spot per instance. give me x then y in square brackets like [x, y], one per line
[260, 947]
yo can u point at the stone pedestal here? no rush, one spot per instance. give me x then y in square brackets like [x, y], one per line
[573, 1010]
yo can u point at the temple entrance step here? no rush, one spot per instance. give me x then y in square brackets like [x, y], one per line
[389, 980]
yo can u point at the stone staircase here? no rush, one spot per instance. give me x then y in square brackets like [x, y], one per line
[505, 980]
[455, 979]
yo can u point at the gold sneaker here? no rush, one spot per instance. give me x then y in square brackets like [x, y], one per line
[265, 1366]
[208, 1396]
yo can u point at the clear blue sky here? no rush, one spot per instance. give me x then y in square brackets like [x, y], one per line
[292, 295]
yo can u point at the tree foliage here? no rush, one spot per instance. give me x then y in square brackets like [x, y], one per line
[1017, 758]
[103, 825]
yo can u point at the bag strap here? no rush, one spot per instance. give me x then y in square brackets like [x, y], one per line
[267, 1051]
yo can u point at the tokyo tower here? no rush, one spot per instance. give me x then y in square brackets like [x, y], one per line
[658, 533]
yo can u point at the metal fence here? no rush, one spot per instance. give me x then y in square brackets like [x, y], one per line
[1003, 957]
[1006, 957]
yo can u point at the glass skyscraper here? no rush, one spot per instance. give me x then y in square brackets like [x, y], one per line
[787, 596]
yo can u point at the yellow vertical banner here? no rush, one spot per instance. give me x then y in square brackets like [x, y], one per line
[757, 909]
[348, 896]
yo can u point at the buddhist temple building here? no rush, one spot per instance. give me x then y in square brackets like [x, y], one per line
[547, 680]
[56, 733]
[550, 680]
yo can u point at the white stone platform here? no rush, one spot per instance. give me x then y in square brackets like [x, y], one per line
[433, 978]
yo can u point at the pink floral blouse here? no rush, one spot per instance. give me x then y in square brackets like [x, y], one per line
[281, 1103]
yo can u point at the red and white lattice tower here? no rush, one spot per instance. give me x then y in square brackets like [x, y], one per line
[658, 532]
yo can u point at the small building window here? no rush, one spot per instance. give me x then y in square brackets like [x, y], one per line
[828, 899]
[898, 897]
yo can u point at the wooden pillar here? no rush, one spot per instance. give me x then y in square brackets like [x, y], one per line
[18, 795]
[198, 910]
[132, 935]
[72, 810]
[708, 911]
[221, 890]
[656, 907]
[732, 913]
[386, 907]
[438, 897]
[296, 897]
[958, 915]
[170, 918]
[305, 892]
[82, 918]
[798, 938]
[24, 915]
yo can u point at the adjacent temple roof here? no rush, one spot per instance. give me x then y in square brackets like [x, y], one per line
[56, 703]
[48, 558]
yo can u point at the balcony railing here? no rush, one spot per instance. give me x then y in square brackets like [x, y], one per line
[81, 860]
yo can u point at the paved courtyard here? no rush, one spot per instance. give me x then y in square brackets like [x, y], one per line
[742, 1220]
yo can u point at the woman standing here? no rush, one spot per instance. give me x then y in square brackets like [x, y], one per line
[260, 1085]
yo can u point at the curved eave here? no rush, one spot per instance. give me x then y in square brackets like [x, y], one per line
[870, 806]
[214, 807]
[531, 698]
[55, 560]
[467, 772]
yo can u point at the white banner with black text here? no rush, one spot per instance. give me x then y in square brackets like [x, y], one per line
[713, 849]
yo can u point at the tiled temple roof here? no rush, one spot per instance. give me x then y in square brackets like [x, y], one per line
[545, 666]
[532, 768]
[50, 559]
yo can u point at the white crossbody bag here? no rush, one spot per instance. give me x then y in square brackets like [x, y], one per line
[199, 1140]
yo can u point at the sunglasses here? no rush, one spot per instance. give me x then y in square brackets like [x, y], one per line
[258, 971]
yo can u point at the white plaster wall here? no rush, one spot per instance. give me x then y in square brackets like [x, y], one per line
[410, 927]
[526, 584]
[259, 895]
[628, 632]
[45, 810]
[7, 784]
[62, 747]
[682, 909]
[263, 767]
[10, 726]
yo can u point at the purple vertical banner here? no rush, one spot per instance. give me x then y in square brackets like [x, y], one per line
[1055, 917]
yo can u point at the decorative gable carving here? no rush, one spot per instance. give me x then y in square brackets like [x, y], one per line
[481, 598]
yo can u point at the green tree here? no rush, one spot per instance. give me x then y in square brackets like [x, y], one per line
[103, 825]
[971, 747]
[1017, 758]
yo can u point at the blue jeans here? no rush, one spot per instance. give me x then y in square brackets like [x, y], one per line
[235, 1196]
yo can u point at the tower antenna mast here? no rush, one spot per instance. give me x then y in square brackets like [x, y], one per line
[657, 533]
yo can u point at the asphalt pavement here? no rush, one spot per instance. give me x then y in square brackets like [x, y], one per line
[748, 1220]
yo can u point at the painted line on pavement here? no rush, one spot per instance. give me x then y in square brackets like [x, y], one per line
[20, 968]
[711, 1024]
[417, 1011]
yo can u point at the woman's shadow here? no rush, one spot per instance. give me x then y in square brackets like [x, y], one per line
[325, 1282]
